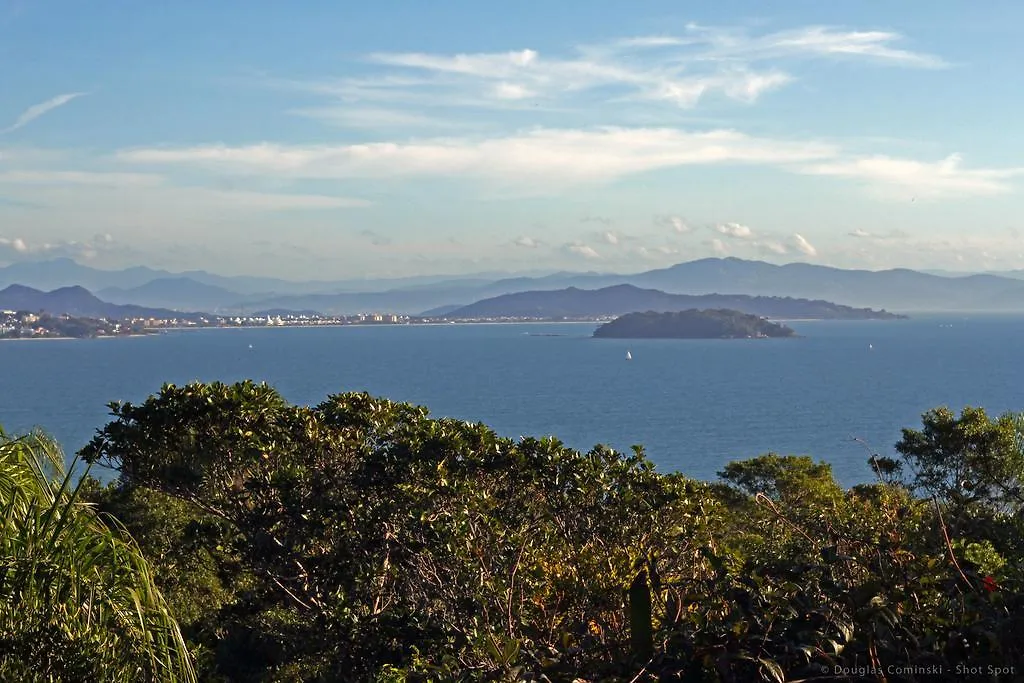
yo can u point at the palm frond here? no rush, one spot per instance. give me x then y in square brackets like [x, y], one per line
[77, 598]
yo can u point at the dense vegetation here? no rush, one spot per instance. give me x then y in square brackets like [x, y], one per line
[691, 324]
[362, 540]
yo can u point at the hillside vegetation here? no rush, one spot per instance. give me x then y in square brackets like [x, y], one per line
[362, 540]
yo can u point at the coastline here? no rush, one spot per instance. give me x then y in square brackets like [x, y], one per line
[157, 330]
[28, 339]
[102, 336]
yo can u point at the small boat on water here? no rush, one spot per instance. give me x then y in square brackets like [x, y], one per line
[629, 356]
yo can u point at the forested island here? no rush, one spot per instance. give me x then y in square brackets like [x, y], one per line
[249, 539]
[692, 324]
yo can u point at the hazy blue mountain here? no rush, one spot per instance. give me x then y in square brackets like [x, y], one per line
[898, 289]
[1015, 274]
[65, 272]
[177, 293]
[75, 301]
[895, 290]
[622, 299]
[407, 301]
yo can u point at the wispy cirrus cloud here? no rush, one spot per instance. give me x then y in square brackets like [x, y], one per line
[103, 190]
[37, 110]
[113, 179]
[546, 158]
[550, 159]
[679, 70]
[906, 179]
[377, 118]
[814, 41]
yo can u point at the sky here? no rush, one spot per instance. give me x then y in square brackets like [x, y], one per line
[360, 139]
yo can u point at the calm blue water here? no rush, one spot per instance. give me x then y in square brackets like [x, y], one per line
[695, 405]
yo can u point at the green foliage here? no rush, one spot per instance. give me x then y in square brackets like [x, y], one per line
[362, 540]
[783, 478]
[77, 599]
[967, 460]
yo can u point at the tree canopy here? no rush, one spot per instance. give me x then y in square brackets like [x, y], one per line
[363, 540]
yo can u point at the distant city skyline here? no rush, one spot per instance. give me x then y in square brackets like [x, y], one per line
[400, 138]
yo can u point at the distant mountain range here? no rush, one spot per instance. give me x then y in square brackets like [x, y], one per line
[175, 293]
[894, 290]
[622, 299]
[77, 302]
[64, 272]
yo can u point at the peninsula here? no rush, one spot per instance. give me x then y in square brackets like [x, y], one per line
[692, 324]
[28, 325]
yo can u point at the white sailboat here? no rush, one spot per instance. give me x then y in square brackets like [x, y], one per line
[629, 356]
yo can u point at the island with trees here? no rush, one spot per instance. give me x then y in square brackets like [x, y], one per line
[692, 324]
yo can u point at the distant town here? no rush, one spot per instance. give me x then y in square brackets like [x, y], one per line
[29, 325]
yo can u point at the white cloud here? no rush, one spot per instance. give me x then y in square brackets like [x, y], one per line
[375, 118]
[482, 64]
[140, 195]
[610, 237]
[17, 247]
[583, 250]
[803, 246]
[15, 244]
[549, 159]
[891, 235]
[675, 223]
[79, 178]
[677, 69]
[812, 41]
[718, 246]
[488, 79]
[772, 247]
[735, 230]
[37, 110]
[546, 157]
[512, 91]
[908, 179]
[528, 242]
[268, 201]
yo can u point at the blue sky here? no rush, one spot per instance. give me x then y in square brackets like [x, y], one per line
[335, 139]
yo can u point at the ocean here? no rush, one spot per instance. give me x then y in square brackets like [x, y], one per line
[694, 405]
